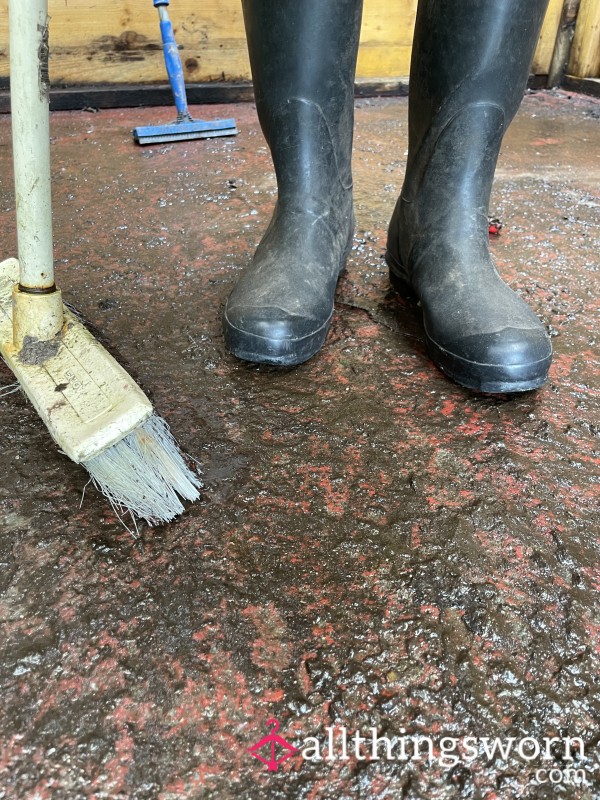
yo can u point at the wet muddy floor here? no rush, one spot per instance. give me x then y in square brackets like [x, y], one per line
[375, 548]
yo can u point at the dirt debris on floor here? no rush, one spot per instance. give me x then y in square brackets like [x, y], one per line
[376, 547]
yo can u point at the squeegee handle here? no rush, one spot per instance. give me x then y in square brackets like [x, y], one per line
[29, 98]
[172, 60]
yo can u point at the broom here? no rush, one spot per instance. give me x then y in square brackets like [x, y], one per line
[95, 412]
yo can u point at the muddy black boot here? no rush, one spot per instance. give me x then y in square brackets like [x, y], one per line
[303, 59]
[469, 70]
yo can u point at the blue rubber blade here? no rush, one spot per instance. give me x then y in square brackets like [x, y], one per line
[217, 127]
[157, 138]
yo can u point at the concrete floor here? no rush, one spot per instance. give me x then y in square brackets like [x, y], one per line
[375, 546]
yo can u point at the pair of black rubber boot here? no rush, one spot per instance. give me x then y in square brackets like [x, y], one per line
[469, 70]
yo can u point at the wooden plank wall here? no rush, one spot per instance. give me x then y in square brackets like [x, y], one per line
[585, 52]
[543, 55]
[99, 42]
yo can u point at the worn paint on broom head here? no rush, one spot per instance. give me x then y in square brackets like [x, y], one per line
[93, 409]
[184, 127]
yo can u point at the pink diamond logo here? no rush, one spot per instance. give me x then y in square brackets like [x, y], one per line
[270, 755]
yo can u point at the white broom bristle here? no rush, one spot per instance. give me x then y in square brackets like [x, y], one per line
[145, 474]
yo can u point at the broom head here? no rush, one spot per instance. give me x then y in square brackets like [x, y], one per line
[97, 415]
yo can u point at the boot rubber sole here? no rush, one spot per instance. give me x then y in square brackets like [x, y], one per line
[482, 377]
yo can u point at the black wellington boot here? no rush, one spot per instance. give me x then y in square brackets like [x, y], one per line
[469, 70]
[303, 59]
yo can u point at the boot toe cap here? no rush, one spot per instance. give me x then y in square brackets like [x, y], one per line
[509, 360]
[272, 335]
[509, 346]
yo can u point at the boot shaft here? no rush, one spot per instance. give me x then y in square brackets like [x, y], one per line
[303, 59]
[467, 53]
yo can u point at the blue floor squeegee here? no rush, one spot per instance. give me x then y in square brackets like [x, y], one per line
[184, 127]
